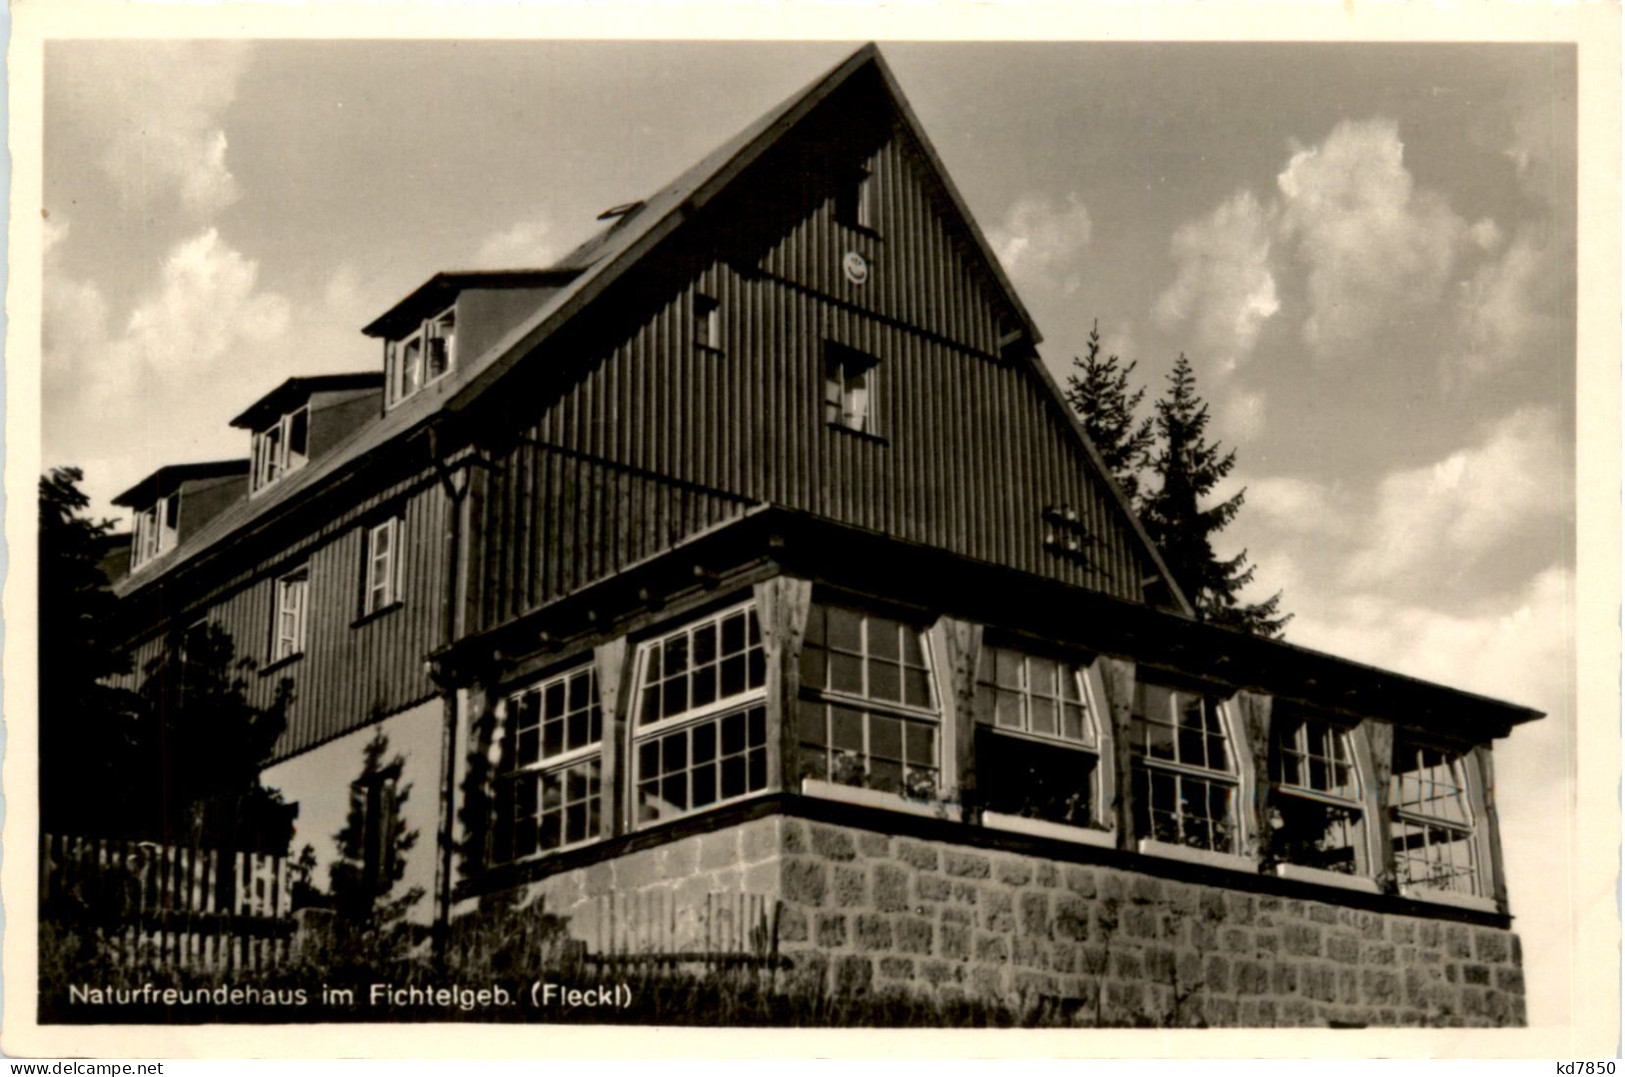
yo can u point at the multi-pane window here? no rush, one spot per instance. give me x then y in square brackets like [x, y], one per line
[1038, 741]
[382, 571]
[281, 448]
[423, 357]
[849, 388]
[548, 793]
[1317, 806]
[868, 714]
[700, 736]
[1432, 823]
[1185, 778]
[292, 593]
[155, 530]
[707, 322]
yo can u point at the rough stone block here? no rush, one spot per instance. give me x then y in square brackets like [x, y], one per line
[1145, 890]
[1071, 917]
[1302, 940]
[1214, 908]
[805, 881]
[1034, 907]
[1492, 946]
[1267, 942]
[1297, 1013]
[831, 932]
[1320, 982]
[966, 865]
[1322, 914]
[831, 843]
[808, 971]
[1428, 933]
[987, 980]
[1091, 960]
[792, 924]
[992, 948]
[1284, 978]
[890, 887]
[1250, 978]
[793, 836]
[1182, 898]
[1029, 986]
[638, 870]
[853, 974]
[599, 879]
[1477, 975]
[1159, 964]
[1080, 881]
[965, 893]
[1237, 941]
[931, 887]
[1030, 951]
[1216, 976]
[873, 932]
[874, 845]
[1403, 932]
[1381, 987]
[918, 855]
[1343, 948]
[719, 850]
[1140, 922]
[1113, 887]
[851, 888]
[1258, 1013]
[956, 914]
[759, 840]
[913, 934]
[939, 972]
[1221, 1012]
[1372, 925]
[1458, 941]
[763, 878]
[680, 859]
[1509, 979]
[1047, 875]
[1125, 1004]
[1127, 966]
[1013, 871]
[954, 942]
[897, 968]
[727, 881]
[998, 912]
[1205, 936]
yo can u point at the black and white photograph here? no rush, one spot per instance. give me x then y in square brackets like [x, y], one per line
[540, 533]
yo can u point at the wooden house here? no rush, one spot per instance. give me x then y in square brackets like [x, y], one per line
[750, 549]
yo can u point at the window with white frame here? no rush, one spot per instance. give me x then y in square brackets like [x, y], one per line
[1186, 783]
[383, 569]
[700, 735]
[1317, 807]
[155, 530]
[549, 784]
[849, 378]
[421, 358]
[292, 602]
[869, 713]
[1432, 825]
[1038, 743]
[281, 449]
[708, 322]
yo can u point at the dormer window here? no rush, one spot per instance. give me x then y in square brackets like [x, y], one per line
[155, 530]
[422, 358]
[280, 448]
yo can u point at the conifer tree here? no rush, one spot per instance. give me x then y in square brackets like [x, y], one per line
[1098, 391]
[1189, 468]
[371, 861]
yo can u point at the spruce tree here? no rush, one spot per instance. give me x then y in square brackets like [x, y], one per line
[371, 861]
[1098, 391]
[1190, 468]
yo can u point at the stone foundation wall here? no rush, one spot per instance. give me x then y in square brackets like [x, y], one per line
[865, 911]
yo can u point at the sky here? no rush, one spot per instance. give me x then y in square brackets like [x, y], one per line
[1367, 252]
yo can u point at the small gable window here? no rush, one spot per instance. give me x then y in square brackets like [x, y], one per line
[281, 449]
[855, 200]
[849, 388]
[156, 530]
[708, 322]
[421, 358]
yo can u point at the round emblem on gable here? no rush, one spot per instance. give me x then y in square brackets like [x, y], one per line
[856, 269]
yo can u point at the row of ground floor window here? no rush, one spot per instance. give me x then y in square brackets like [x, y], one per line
[824, 693]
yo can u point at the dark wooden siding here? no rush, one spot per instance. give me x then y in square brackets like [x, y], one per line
[635, 442]
[351, 673]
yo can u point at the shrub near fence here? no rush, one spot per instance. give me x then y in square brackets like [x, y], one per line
[165, 905]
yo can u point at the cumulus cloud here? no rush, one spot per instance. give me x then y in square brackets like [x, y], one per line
[1225, 288]
[1505, 308]
[523, 244]
[1039, 241]
[1374, 244]
[1293, 505]
[1240, 415]
[155, 107]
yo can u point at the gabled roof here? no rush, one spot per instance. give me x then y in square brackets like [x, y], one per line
[584, 274]
[295, 391]
[169, 478]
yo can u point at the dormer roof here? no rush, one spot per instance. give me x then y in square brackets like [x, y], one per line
[167, 479]
[438, 292]
[295, 391]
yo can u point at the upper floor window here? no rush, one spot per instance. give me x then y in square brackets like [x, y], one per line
[423, 357]
[855, 200]
[383, 572]
[280, 448]
[1432, 820]
[549, 786]
[1317, 810]
[868, 714]
[708, 322]
[1038, 747]
[1185, 779]
[288, 633]
[849, 378]
[700, 737]
[155, 530]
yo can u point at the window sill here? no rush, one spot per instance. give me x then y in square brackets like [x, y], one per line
[873, 798]
[1205, 857]
[862, 435]
[1321, 877]
[281, 663]
[382, 611]
[1043, 828]
[1446, 897]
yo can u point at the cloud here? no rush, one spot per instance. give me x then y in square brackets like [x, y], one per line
[1240, 415]
[523, 244]
[1040, 239]
[1225, 287]
[1505, 309]
[155, 107]
[1292, 505]
[1376, 247]
[1446, 516]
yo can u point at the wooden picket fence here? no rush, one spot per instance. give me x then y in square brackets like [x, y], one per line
[167, 905]
[665, 928]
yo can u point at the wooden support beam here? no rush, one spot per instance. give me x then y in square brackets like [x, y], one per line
[1253, 711]
[1488, 832]
[1117, 678]
[616, 692]
[1376, 739]
[782, 606]
[962, 645]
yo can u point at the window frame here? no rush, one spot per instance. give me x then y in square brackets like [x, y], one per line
[936, 713]
[855, 200]
[299, 637]
[395, 574]
[1363, 844]
[274, 458]
[1236, 776]
[1459, 759]
[707, 310]
[842, 366]
[423, 335]
[715, 711]
[512, 770]
[155, 530]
